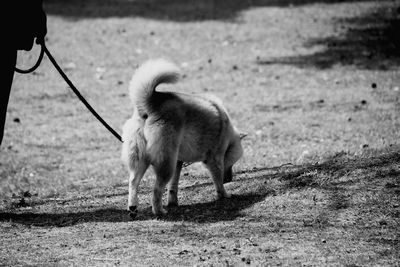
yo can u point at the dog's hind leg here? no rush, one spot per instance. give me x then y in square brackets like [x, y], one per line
[173, 186]
[216, 167]
[164, 172]
[135, 176]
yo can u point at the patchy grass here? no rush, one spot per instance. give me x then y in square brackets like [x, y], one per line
[314, 83]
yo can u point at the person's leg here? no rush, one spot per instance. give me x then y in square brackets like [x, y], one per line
[8, 65]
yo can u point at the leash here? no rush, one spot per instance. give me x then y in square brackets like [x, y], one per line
[70, 84]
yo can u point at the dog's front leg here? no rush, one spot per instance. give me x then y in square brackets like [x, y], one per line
[135, 177]
[217, 172]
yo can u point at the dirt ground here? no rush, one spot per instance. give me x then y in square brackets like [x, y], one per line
[314, 83]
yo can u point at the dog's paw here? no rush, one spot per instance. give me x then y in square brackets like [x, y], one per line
[224, 195]
[132, 212]
[160, 212]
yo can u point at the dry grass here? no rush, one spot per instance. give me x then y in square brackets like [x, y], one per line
[314, 83]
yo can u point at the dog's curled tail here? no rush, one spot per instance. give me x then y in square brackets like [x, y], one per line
[146, 78]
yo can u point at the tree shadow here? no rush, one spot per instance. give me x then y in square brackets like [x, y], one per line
[369, 42]
[251, 191]
[338, 191]
[175, 10]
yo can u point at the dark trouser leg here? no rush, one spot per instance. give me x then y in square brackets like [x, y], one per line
[8, 64]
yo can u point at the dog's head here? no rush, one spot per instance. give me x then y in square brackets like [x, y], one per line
[232, 155]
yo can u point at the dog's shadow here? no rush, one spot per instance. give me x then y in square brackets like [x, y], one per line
[213, 211]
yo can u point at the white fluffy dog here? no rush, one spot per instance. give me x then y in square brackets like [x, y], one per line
[167, 129]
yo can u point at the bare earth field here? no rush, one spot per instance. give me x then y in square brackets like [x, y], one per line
[314, 83]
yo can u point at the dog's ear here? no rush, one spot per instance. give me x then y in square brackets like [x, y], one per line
[242, 135]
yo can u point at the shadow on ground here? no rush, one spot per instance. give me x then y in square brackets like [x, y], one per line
[370, 42]
[326, 175]
[175, 10]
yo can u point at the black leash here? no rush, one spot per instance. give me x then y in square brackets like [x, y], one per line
[71, 85]
[34, 66]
